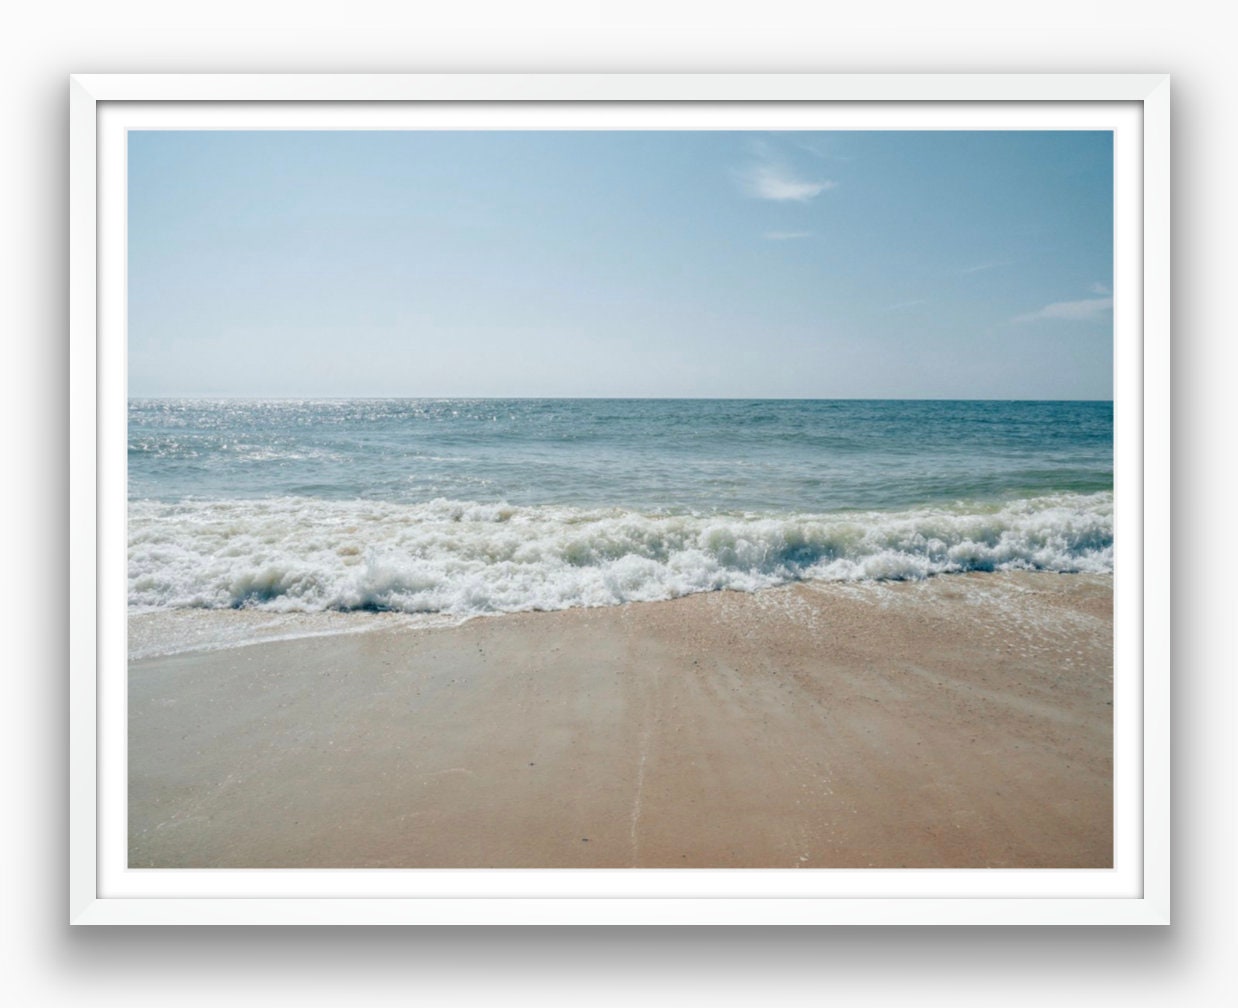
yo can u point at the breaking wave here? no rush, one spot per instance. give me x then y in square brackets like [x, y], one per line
[462, 558]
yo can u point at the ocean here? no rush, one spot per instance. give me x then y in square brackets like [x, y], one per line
[461, 507]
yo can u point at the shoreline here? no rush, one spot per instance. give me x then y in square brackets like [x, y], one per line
[166, 633]
[961, 721]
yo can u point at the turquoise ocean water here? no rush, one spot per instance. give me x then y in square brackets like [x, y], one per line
[472, 506]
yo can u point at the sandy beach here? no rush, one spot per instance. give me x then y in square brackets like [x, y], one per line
[963, 721]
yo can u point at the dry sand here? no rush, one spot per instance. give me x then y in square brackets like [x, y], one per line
[960, 722]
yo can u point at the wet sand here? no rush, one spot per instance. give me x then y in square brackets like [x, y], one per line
[960, 722]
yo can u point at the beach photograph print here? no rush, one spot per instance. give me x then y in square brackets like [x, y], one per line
[642, 499]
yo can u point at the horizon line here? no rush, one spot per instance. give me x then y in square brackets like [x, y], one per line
[633, 398]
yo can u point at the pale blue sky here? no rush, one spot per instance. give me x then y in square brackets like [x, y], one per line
[816, 265]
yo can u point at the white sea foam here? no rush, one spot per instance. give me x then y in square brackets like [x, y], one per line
[461, 558]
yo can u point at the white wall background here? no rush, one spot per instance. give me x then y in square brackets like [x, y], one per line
[44, 962]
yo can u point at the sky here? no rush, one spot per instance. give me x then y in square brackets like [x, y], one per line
[968, 265]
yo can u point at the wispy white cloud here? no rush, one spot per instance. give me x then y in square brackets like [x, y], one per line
[985, 266]
[772, 181]
[771, 174]
[786, 235]
[905, 304]
[1099, 288]
[1071, 311]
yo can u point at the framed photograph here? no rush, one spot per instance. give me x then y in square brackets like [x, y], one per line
[619, 499]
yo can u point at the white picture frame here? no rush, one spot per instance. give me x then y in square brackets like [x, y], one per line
[103, 890]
